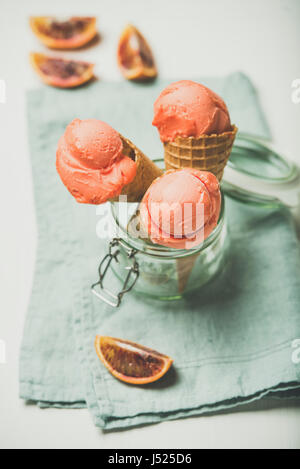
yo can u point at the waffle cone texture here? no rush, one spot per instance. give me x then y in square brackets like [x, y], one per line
[146, 172]
[184, 267]
[206, 153]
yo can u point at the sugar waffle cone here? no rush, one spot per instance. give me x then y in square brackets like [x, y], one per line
[135, 228]
[184, 265]
[146, 172]
[207, 153]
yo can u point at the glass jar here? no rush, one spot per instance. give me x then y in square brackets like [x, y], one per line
[169, 274]
[157, 271]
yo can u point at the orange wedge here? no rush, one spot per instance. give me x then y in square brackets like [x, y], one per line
[135, 57]
[63, 34]
[61, 73]
[130, 362]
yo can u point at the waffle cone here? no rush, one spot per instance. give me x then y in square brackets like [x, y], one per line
[184, 267]
[146, 172]
[135, 229]
[207, 153]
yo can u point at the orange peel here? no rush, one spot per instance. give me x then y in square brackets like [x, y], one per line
[55, 71]
[131, 362]
[71, 33]
[135, 57]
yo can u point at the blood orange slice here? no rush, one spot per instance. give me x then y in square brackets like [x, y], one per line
[135, 57]
[130, 362]
[62, 73]
[63, 34]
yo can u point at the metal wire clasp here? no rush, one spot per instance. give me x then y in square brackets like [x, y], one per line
[103, 293]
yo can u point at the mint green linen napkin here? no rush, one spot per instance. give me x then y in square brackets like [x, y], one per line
[232, 343]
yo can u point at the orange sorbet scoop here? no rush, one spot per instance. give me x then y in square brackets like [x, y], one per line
[181, 208]
[90, 162]
[188, 109]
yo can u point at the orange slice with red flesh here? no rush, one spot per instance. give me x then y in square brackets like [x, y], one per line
[131, 362]
[135, 57]
[64, 34]
[61, 73]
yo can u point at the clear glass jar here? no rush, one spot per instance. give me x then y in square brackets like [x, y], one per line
[157, 271]
[168, 273]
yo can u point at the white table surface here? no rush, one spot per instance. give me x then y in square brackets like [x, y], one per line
[258, 37]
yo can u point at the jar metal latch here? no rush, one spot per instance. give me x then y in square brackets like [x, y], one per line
[132, 276]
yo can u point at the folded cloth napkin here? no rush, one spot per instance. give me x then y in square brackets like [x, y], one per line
[235, 341]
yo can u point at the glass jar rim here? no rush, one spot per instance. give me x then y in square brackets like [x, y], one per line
[159, 251]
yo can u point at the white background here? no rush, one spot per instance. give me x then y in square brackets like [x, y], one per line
[189, 38]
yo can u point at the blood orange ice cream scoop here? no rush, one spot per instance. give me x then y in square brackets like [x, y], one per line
[91, 163]
[194, 126]
[181, 208]
[188, 109]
